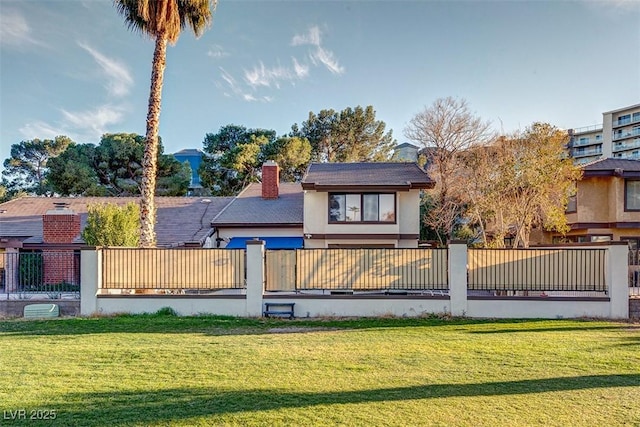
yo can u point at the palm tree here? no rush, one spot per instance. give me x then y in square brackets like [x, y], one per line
[162, 20]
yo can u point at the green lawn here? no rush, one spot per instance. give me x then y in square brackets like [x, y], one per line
[165, 370]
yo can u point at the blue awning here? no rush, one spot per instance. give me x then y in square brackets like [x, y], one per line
[270, 242]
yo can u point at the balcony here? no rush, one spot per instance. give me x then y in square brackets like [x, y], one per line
[581, 142]
[585, 129]
[623, 146]
[583, 153]
[626, 134]
[627, 120]
[629, 156]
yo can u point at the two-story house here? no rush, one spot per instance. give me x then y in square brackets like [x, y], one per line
[607, 204]
[336, 205]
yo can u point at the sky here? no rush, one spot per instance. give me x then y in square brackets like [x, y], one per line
[71, 67]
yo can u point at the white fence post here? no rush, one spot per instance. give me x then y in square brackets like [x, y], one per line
[617, 271]
[90, 278]
[255, 277]
[458, 277]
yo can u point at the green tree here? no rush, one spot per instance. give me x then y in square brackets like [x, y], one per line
[26, 169]
[74, 172]
[114, 168]
[112, 225]
[292, 154]
[351, 135]
[163, 21]
[234, 158]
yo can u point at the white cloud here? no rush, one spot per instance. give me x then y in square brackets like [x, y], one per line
[312, 37]
[79, 126]
[42, 130]
[94, 122]
[14, 29]
[232, 88]
[326, 58]
[119, 78]
[264, 76]
[217, 51]
[301, 70]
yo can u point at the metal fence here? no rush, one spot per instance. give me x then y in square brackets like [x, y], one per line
[357, 269]
[44, 273]
[173, 269]
[634, 273]
[569, 270]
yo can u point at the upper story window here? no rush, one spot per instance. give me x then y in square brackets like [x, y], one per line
[572, 204]
[362, 207]
[623, 120]
[632, 195]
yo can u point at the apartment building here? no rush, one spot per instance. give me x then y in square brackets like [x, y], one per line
[617, 137]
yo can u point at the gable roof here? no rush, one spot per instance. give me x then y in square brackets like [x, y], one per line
[180, 220]
[365, 176]
[249, 209]
[624, 168]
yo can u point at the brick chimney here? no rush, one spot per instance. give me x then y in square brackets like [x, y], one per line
[270, 180]
[60, 225]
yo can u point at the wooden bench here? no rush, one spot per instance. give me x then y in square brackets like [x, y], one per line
[37, 311]
[279, 309]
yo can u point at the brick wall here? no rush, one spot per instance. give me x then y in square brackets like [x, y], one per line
[270, 180]
[60, 266]
[60, 228]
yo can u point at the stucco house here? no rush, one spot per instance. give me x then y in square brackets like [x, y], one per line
[336, 205]
[607, 204]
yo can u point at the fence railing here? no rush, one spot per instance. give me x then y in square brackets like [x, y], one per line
[572, 270]
[173, 269]
[48, 273]
[371, 269]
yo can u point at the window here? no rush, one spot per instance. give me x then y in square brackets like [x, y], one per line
[572, 204]
[623, 120]
[584, 140]
[632, 195]
[599, 137]
[367, 207]
[636, 117]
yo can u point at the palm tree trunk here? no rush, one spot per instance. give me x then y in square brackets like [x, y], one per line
[150, 159]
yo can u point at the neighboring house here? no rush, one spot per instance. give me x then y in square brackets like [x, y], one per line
[363, 204]
[33, 223]
[607, 204]
[194, 157]
[406, 152]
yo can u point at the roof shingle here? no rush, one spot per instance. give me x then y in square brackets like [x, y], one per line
[249, 208]
[180, 220]
[375, 174]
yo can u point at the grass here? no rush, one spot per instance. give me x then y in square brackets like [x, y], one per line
[191, 371]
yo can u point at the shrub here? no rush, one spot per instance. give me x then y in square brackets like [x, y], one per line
[112, 225]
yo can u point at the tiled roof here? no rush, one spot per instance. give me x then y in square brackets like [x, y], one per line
[610, 166]
[179, 219]
[249, 208]
[392, 174]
